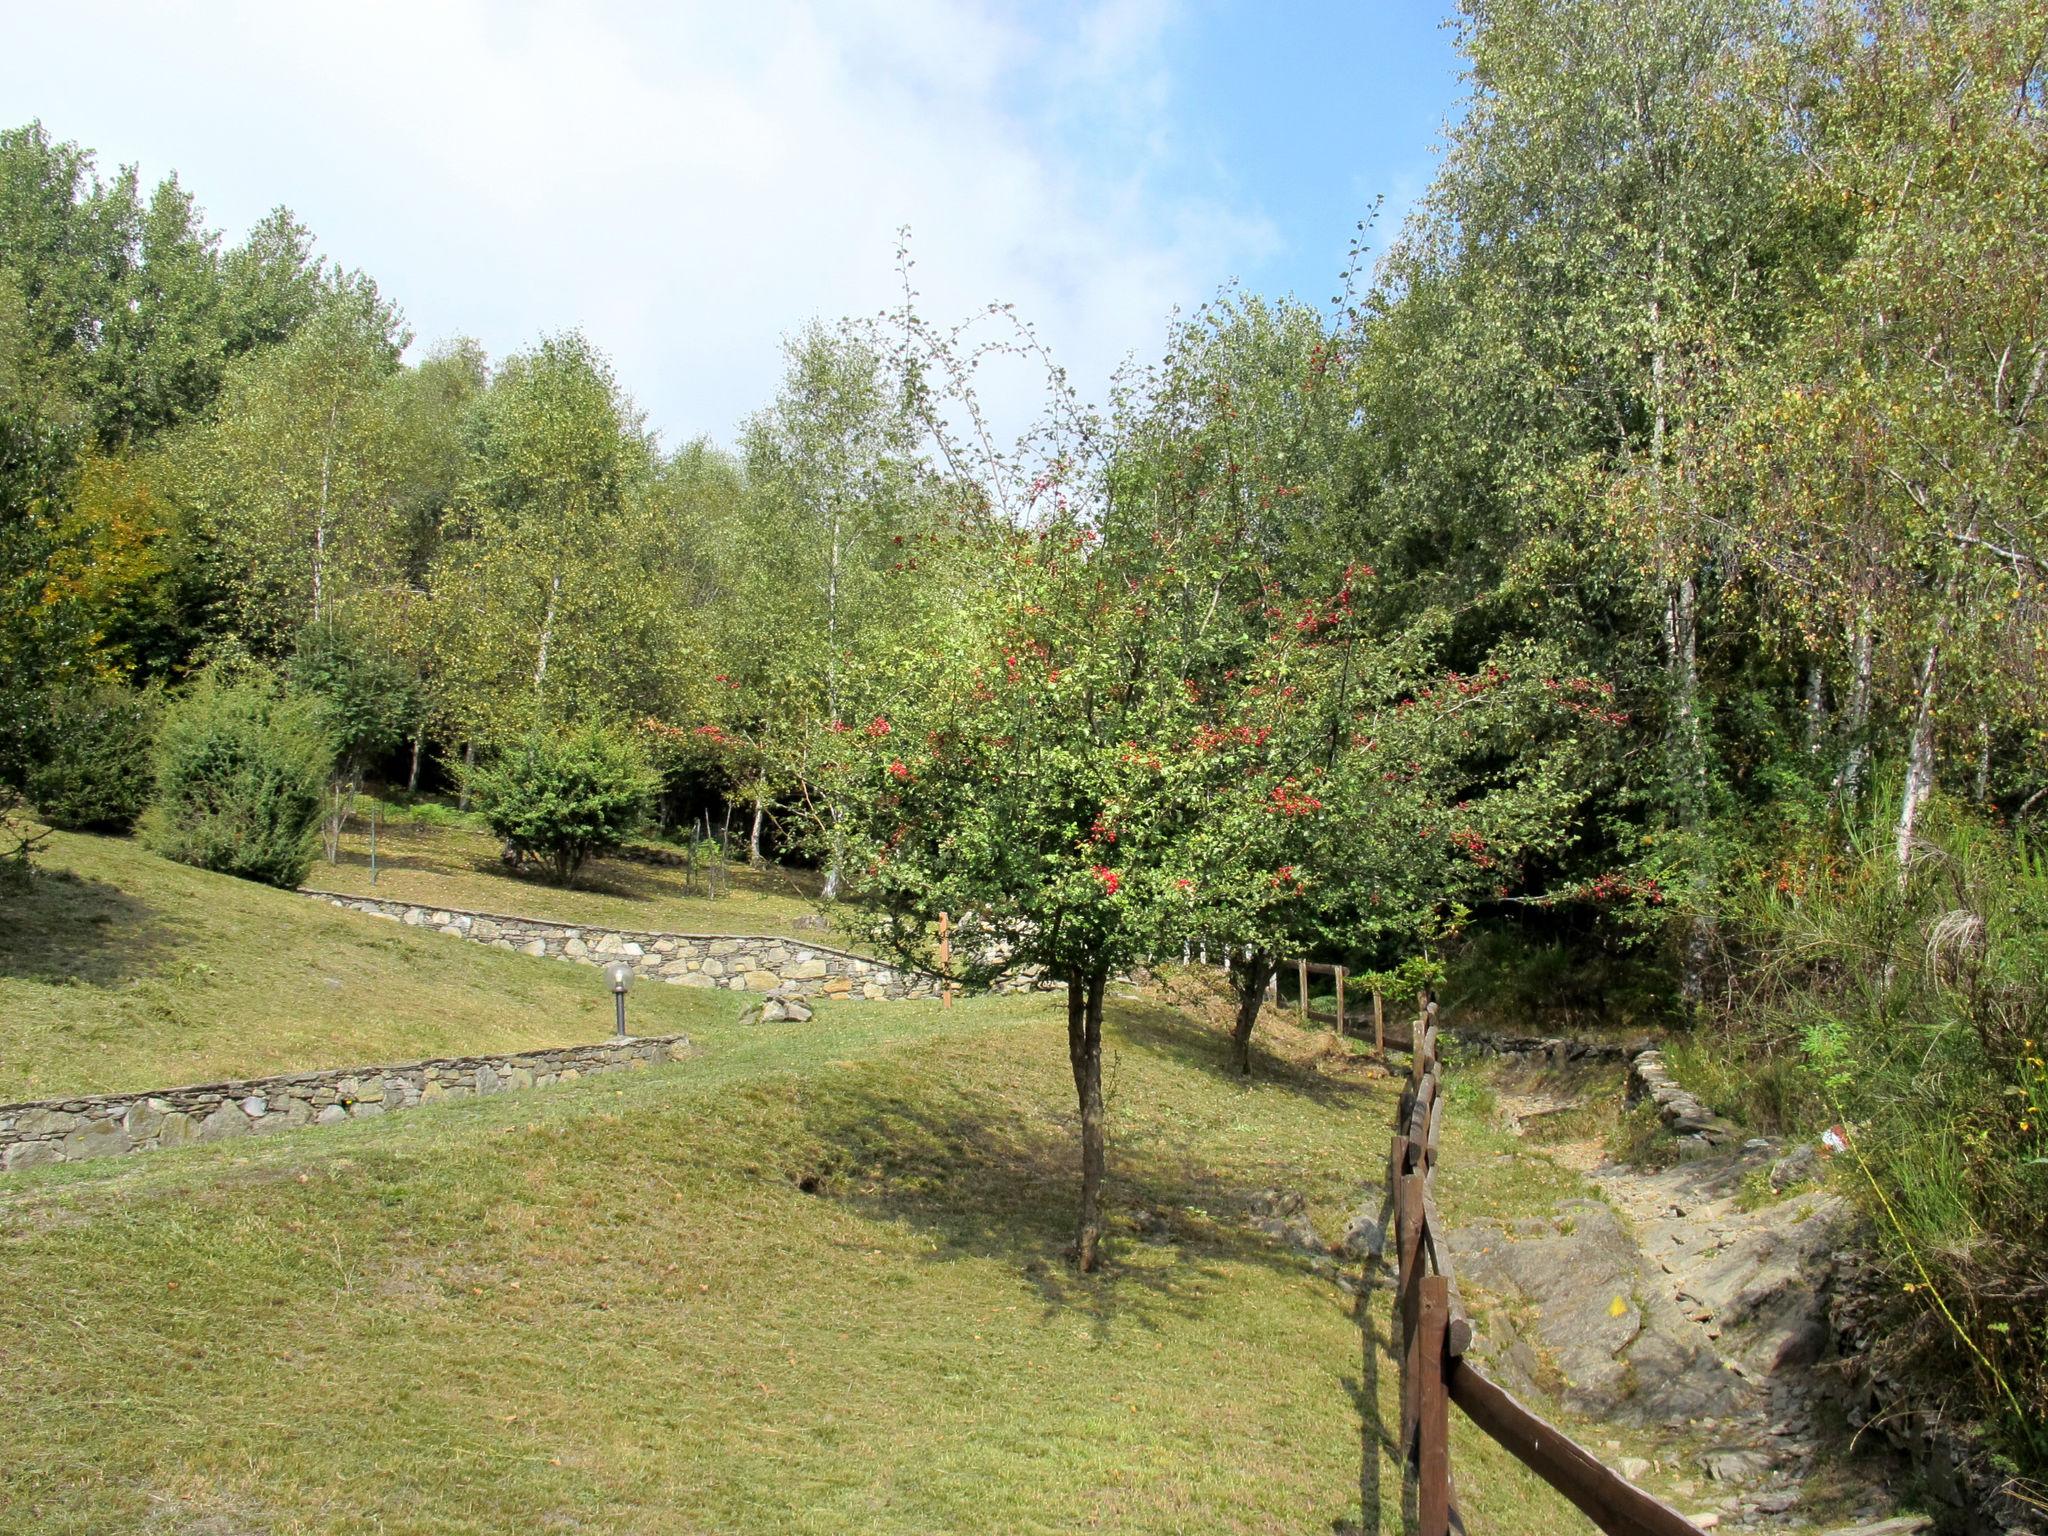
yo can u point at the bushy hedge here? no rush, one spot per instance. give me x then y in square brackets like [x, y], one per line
[241, 771]
[561, 797]
[94, 764]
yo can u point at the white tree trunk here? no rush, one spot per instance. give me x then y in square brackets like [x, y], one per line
[547, 633]
[1816, 707]
[1862, 647]
[832, 859]
[320, 519]
[1919, 761]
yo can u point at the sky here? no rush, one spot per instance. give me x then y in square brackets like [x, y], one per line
[688, 183]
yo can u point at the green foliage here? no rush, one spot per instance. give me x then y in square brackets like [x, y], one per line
[295, 474]
[563, 796]
[94, 767]
[240, 773]
[132, 311]
[1915, 1017]
[364, 697]
[549, 603]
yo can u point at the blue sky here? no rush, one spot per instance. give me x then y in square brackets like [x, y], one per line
[688, 182]
[1309, 112]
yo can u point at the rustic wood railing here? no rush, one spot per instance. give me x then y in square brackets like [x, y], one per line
[1434, 1333]
[1382, 1036]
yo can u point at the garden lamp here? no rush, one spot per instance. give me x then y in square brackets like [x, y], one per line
[618, 975]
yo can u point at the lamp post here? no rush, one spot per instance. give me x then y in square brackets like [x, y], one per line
[618, 975]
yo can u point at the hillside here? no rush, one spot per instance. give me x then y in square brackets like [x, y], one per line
[810, 1281]
[120, 970]
[428, 853]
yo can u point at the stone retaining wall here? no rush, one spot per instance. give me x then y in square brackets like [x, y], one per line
[1529, 1049]
[1697, 1128]
[786, 967]
[102, 1125]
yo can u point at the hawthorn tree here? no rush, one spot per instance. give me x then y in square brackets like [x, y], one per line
[1355, 793]
[1014, 785]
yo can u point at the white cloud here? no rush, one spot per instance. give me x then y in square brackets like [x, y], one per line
[685, 182]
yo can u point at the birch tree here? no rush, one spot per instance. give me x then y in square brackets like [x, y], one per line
[296, 475]
[838, 505]
[548, 598]
[1897, 438]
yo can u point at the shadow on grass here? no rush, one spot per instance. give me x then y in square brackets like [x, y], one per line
[988, 1182]
[1189, 1042]
[1378, 1443]
[69, 929]
[984, 1181]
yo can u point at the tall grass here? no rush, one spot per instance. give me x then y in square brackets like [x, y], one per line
[1912, 1007]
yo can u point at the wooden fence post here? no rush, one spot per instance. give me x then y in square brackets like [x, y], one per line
[1340, 1001]
[1433, 1413]
[1379, 1026]
[945, 959]
[1301, 998]
[1408, 1234]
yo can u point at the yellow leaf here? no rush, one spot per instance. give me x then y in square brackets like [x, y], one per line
[1617, 1308]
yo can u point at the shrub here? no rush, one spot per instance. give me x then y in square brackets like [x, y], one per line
[1913, 1012]
[364, 699]
[240, 776]
[561, 798]
[93, 768]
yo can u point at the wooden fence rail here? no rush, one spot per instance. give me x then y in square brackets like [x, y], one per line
[1383, 1037]
[1434, 1333]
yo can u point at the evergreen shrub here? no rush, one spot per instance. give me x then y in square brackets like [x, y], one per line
[562, 797]
[93, 766]
[240, 775]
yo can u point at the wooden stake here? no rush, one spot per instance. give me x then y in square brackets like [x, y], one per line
[1301, 983]
[1408, 1301]
[1433, 1414]
[945, 959]
[1340, 1001]
[1379, 1025]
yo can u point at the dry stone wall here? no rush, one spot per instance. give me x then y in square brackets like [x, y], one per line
[789, 968]
[1697, 1128]
[103, 1125]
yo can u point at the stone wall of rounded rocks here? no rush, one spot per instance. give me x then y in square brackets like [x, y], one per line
[785, 967]
[69, 1130]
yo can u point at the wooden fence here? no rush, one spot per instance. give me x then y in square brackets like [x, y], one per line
[1383, 1034]
[1434, 1333]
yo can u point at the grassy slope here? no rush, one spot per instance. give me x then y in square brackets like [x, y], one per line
[613, 1307]
[120, 970]
[456, 864]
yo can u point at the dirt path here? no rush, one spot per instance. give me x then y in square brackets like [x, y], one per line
[1684, 1308]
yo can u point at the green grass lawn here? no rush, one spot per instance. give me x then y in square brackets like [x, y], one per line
[120, 970]
[811, 1281]
[429, 855]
